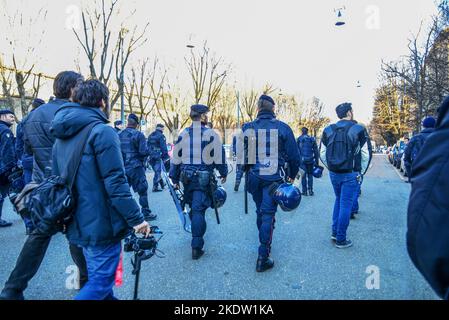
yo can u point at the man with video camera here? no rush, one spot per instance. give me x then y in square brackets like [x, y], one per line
[106, 210]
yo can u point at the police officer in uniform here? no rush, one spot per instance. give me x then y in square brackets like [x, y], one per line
[157, 146]
[8, 158]
[265, 170]
[135, 151]
[308, 149]
[194, 167]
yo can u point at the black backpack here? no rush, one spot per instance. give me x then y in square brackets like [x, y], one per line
[339, 151]
[51, 204]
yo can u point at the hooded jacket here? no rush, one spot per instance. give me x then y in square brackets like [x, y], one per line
[106, 210]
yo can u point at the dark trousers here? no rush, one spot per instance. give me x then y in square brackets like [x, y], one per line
[138, 181]
[266, 209]
[156, 165]
[307, 178]
[200, 203]
[30, 260]
[4, 189]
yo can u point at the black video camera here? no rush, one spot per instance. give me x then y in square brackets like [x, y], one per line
[136, 244]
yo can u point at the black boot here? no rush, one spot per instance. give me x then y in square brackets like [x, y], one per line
[197, 254]
[237, 186]
[148, 215]
[162, 184]
[305, 194]
[311, 193]
[264, 264]
[11, 295]
[156, 189]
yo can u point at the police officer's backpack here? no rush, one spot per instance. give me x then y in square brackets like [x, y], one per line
[339, 152]
[51, 204]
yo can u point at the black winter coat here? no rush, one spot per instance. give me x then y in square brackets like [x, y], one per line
[428, 211]
[38, 140]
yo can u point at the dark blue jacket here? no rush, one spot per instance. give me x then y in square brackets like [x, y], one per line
[38, 140]
[8, 158]
[308, 149]
[106, 209]
[25, 158]
[415, 145]
[263, 164]
[157, 146]
[134, 148]
[428, 210]
[190, 150]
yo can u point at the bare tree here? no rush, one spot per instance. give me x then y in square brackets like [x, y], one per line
[248, 105]
[225, 115]
[424, 71]
[113, 55]
[208, 74]
[22, 39]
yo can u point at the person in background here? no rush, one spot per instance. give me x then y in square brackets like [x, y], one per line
[118, 126]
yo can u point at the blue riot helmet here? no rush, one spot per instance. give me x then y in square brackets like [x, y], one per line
[220, 197]
[287, 196]
[318, 172]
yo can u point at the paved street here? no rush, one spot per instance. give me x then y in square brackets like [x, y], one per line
[307, 264]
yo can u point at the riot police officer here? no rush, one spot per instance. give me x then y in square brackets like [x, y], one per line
[194, 162]
[308, 149]
[8, 158]
[265, 169]
[135, 151]
[157, 147]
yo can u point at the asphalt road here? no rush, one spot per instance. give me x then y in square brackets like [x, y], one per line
[307, 264]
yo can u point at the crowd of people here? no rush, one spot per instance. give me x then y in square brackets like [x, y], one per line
[114, 160]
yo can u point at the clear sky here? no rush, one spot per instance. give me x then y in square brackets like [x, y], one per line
[292, 44]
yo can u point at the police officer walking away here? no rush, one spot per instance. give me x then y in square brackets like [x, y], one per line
[7, 158]
[157, 147]
[194, 167]
[417, 143]
[135, 151]
[341, 144]
[266, 170]
[308, 150]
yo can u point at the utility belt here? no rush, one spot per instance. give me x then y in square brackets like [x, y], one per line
[203, 179]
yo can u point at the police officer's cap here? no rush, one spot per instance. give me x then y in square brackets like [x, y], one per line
[6, 111]
[118, 123]
[160, 125]
[199, 108]
[133, 117]
[266, 98]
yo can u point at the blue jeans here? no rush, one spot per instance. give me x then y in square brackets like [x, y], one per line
[355, 206]
[345, 188]
[102, 263]
[266, 209]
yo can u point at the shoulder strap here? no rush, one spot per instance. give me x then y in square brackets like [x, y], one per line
[74, 163]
